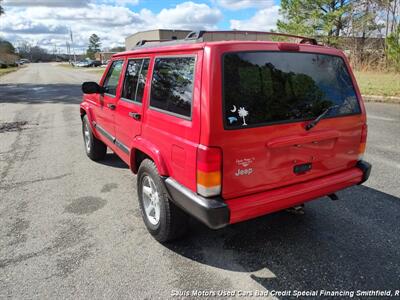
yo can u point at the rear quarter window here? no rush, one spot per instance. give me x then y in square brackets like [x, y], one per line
[261, 88]
[172, 85]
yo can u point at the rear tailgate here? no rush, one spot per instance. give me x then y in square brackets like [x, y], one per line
[267, 99]
[260, 159]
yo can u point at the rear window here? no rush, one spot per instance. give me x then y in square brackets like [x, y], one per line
[261, 88]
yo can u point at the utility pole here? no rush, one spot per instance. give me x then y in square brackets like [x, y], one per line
[68, 51]
[72, 43]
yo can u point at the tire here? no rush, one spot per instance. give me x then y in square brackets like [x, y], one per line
[171, 222]
[95, 149]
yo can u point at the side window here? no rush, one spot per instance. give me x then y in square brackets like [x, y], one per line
[172, 85]
[142, 80]
[111, 80]
[135, 79]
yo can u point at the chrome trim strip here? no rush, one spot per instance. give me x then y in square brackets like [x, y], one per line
[122, 146]
[112, 139]
[105, 133]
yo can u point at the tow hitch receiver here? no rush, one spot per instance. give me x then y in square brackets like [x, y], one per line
[333, 196]
[296, 210]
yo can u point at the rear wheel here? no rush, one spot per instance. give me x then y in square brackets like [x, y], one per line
[95, 149]
[163, 219]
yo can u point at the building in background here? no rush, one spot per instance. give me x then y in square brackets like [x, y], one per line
[156, 34]
[103, 56]
[356, 48]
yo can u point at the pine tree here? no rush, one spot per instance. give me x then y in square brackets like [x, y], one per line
[315, 17]
[94, 45]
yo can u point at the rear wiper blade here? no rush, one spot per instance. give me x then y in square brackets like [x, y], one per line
[320, 117]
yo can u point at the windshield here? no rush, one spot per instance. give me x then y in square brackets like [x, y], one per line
[261, 88]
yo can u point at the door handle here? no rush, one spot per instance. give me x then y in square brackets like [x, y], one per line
[111, 106]
[135, 115]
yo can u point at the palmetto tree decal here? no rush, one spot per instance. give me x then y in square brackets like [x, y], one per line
[243, 113]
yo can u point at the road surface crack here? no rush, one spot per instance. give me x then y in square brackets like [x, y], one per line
[12, 126]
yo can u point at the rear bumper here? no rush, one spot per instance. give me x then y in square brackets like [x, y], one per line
[216, 213]
[211, 211]
[365, 168]
[252, 206]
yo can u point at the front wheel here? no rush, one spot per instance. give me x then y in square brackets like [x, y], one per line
[95, 149]
[163, 219]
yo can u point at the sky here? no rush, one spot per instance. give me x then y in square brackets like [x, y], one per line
[47, 23]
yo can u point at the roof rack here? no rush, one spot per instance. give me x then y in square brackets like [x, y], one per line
[200, 35]
[152, 43]
[142, 42]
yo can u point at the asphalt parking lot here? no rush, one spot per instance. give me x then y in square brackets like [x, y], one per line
[71, 228]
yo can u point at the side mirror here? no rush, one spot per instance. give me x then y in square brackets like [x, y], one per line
[91, 87]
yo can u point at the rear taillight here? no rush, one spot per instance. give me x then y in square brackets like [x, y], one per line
[363, 142]
[209, 163]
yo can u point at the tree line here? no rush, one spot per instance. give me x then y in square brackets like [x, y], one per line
[368, 29]
[9, 53]
[359, 23]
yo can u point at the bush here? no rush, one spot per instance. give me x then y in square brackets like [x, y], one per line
[393, 49]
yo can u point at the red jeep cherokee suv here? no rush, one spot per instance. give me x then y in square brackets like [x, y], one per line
[226, 131]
